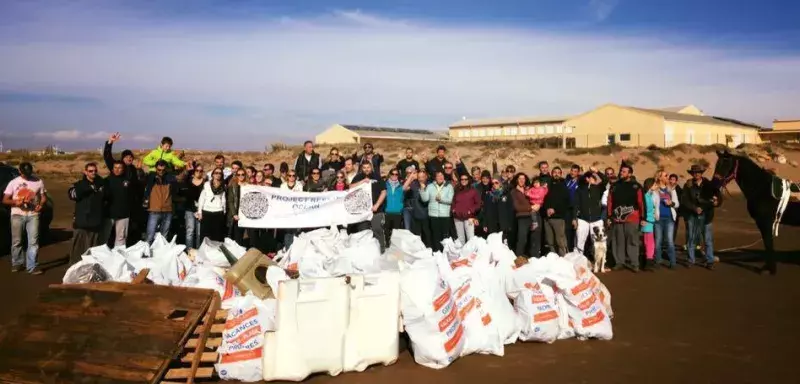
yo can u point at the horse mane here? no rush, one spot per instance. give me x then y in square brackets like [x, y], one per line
[755, 174]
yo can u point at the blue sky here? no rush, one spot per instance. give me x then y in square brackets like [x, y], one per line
[241, 74]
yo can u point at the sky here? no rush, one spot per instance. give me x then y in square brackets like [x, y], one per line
[243, 74]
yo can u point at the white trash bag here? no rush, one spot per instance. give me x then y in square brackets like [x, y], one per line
[240, 355]
[538, 313]
[588, 315]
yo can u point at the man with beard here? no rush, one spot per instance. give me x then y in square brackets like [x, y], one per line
[26, 196]
[408, 162]
[306, 160]
[219, 163]
[701, 198]
[369, 156]
[378, 204]
[120, 201]
[90, 199]
[625, 215]
[572, 181]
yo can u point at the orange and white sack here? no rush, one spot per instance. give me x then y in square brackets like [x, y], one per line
[538, 313]
[240, 355]
[583, 270]
[473, 300]
[430, 315]
[588, 315]
[565, 328]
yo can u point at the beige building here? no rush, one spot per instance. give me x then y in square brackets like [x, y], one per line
[348, 134]
[614, 124]
[782, 131]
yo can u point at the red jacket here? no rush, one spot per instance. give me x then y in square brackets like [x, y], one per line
[466, 204]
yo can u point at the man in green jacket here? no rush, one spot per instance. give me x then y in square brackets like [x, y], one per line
[163, 152]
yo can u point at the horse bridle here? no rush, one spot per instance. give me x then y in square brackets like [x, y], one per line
[732, 176]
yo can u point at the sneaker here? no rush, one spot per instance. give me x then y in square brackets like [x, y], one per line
[710, 266]
[671, 267]
[17, 268]
[635, 269]
[36, 272]
[618, 267]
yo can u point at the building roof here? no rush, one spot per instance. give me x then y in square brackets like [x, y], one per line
[715, 120]
[785, 120]
[674, 109]
[372, 132]
[509, 121]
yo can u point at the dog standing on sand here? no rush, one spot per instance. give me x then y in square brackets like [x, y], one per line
[600, 247]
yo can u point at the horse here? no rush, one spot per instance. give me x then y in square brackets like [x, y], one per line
[756, 185]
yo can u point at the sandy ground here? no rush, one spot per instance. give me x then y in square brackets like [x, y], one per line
[696, 326]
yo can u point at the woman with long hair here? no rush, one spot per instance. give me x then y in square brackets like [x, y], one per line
[497, 214]
[667, 218]
[529, 233]
[334, 162]
[191, 189]
[466, 205]
[250, 173]
[211, 208]
[291, 183]
[315, 182]
[339, 183]
[649, 217]
[234, 194]
[260, 178]
[439, 196]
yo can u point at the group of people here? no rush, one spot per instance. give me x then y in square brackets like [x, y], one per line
[433, 198]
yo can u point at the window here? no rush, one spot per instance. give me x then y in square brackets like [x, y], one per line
[523, 130]
[567, 129]
[498, 132]
[506, 131]
[513, 131]
[460, 133]
[550, 129]
[540, 129]
[624, 137]
[466, 133]
[482, 133]
[559, 129]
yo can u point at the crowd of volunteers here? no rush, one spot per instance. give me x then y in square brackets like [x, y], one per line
[553, 210]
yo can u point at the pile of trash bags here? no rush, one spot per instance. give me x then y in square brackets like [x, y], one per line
[472, 298]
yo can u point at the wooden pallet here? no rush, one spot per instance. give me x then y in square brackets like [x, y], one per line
[195, 362]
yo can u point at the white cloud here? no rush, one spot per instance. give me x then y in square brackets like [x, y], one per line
[76, 135]
[294, 77]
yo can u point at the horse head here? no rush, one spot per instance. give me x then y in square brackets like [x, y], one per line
[726, 168]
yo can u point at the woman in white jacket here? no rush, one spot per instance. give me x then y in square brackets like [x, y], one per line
[291, 183]
[211, 207]
[665, 217]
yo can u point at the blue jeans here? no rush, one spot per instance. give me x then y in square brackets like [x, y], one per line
[698, 228]
[29, 224]
[155, 219]
[664, 229]
[192, 230]
[407, 218]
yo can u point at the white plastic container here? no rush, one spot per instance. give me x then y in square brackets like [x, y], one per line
[372, 335]
[311, 323]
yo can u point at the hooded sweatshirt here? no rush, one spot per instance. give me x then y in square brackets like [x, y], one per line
[159, 154]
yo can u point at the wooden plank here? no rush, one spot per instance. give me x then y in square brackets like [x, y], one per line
[102, 333]
[206, 357]
[222, 314]
[215, 329]
[141, 276]
[184, 373]
[201, 342]
[211, 342]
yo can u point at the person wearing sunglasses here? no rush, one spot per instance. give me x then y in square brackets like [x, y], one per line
[395, 197]
[315, 182]
[439, 196]
[211, 207]
[269, 174]
[334, 162]
[339, 183]
[466, 205]
[292, 183]
[90, 200]
[497, 213]
[190, 189]
[232, 210]
[374, 159]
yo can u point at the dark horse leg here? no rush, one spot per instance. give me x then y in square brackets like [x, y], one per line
[765, 227]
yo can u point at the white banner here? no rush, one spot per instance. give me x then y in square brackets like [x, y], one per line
[267, 207]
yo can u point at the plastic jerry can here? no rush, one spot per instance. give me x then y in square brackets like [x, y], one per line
[310, 323]
[250, 273]
[372, 334]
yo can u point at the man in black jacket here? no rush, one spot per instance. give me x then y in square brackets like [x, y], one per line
[700, 198]
[120, 200]
[90, 195]
[306, 161]
[408, 162]
[587, 207]
[134, 175]
[369, 156]
[556, 207]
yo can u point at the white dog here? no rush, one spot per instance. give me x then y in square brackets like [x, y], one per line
[600, 247]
